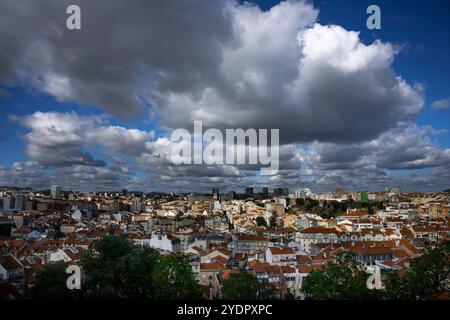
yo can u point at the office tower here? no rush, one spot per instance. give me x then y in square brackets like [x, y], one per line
[302, 193]
[362, 196]
[21, 201]
[9, 203]
[248, 191]
[278, 192]
[136, 205]
[265, 190]
[396, 190]
[55, 192]
[231, 195]
[215, 193]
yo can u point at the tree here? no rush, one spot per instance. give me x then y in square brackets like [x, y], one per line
[344, 279]
[115, 268]
[273, 220]
[5, 230]
[260, 221]
[427, 277]
[51, 283]
[244, 286]
[173, 279]
[104, 268]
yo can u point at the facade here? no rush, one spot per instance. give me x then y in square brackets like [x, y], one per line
[56, 192]
[20, 202]
[315, 235]
[281, 256]
[245, 243]
[9, 203]
[11, 268]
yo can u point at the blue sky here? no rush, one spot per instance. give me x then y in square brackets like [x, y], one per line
[420, 29]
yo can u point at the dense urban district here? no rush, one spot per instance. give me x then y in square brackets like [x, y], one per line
[249, 245]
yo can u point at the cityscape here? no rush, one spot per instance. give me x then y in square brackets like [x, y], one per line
[250, 155]
[278, 238]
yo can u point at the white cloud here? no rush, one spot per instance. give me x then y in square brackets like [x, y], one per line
[441, 104]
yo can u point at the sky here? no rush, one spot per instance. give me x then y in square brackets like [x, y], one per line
[93, 109]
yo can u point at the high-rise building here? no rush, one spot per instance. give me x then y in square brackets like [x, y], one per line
[21, 201]
[396, 190]
[248, 191]
[362, 196]
[56, 192]
[265, 190]
[302, 193]
[136, 205]
[9, 203]
[215, 193]
[281, 192]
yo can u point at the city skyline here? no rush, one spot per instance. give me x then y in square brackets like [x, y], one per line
[93, 109]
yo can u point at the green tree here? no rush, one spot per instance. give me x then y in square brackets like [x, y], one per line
[426, 278]
[260, 221]
[173, 278]
[244, 286]
[117, 269]
[273, 220]
[344, 279]
[51, 283]
[5, 230]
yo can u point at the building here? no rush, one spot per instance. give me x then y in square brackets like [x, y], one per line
[136, 205]
[165, 241]
[21, 201]
[362, 196]
[315, 235]
[215, 194]
[281, 256]
[56, 192]
[246, 243]
[9, 203]
[281, 192]
[11, 268]
[208, 277]
[371, 254]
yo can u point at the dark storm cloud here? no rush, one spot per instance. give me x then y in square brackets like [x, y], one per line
[407, 146]
[123, 49]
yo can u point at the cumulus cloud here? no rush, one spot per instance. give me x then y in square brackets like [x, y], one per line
[319, 83]
[345, 116]
[441, 104]
[123, 49]
[407, 146]
[58, 139]
[222, 62]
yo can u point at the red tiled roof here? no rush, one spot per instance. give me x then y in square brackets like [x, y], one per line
[276, 250]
